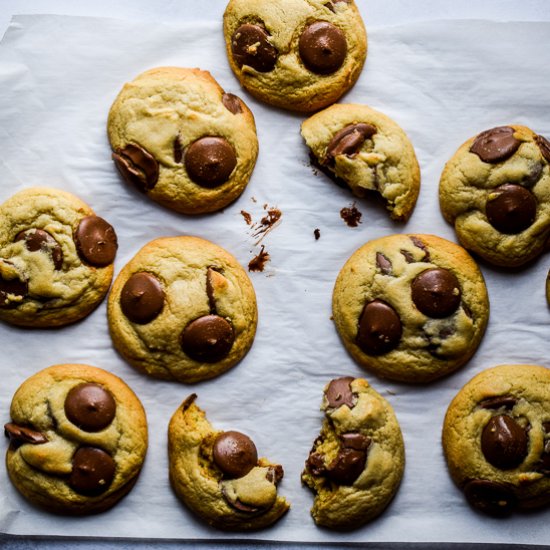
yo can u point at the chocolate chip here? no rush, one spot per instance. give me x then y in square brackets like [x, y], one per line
[383, 263]
[11, 287]
[137, 166]
[504, 442]
[40, 240]
[316, 464]
[232, 103]
[357, 441]
[234, 453]
[93, 471]
[208, 339]
[19, 435]
[495, 145]
[339, 392]
[380, 328]
[490, 497]
[511, 208]
[209, 161]
[420, 244]
[322, 47]
[250, 46]
[90, 407]
[506, 401]
[96, 241]
[436, 292]
[409, 258]
[275, 474]
[178, 150]
[347, 466]
[544, 146]
[188, 401]
[349, 140]
[142, 298]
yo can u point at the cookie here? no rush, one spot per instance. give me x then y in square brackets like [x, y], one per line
[302, 56]
[496, 439]
[356, 464]
[410, 308]
[494, 190]
[366, 151]
[56, 258]
[78, 437]
[218, 475]
[182, 309]
[181, 140]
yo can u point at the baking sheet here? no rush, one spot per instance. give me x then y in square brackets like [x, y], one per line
[442, 82]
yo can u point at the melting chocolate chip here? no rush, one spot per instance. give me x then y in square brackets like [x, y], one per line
[90, 407]
[383, 263]
[316, 464]
[380, 328]
[19, 435]
[40, 240]
[13, 287]
[207, 339]
[93, 471]
[511, 208]
[347, 466]
[495, 145]
[504, 442]
[238, 505]
[349, 140]
[544, 146]
[137, 166]
[234, 453]
[142, 298]
[232, 103]
[436, 292]
[96, 241]
[490, 497]
[209, 161]
[250, 46]
[409, 258]
[357, 441]
[420, 244]
[506, 401]
[339, 392]
[178, 150]
[322, 47]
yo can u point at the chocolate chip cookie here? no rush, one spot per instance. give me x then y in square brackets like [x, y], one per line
[56, 258]
[357, 462]
[301, 56]
[182, 309]
[180, 139]
[78, 438]
[366, 151]
[411, 308]
[496, 438]
[218, 475]
[494, 192]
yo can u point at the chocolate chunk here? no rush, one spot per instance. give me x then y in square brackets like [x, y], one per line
[349, 140]
[504, 442]
[317, 234]
[13, 287]
[511, 208]
[316, 464]
[234, 453]
[495, 145]
[420, 244]
[93, 471]
[352, 216]
[137, 166]
[178, 150]
[347, 466]
[356, 441]
[380, 328]
[90, 407]
[210, 289]
[19, 435]
[238, 505]
[142, 298]
[322, 47]
[490, 497]
[209, 161]
[250, 46]
[506, 401]
[383, 263]
[544, 146]
[409, 258]
[232, 103]
[96, 241]
[436, 292]
[207, 339]
[275, 474]
[339, 392]
[40, 240]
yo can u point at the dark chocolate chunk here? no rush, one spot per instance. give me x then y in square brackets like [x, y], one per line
[14, 287]
[96, 241]
[544, 146]
[178, 150]
[93, 471]
[208, 339]
[40, 240]
[504, 442]
[142, 298]
[322, 47]
[234, 453]
[383, 263]
[357, 441]
[511, 208]
[490, 497]
[257, 263]
[90, 407]
[137, 166]
[317, 234]
[20, 434]
[349, 140]
[316, 464]
[379, 328]
[420, 244]
[339, 392]
[409, 258]
[209, 161]
[347, 466]
[250, 46]
[275, 474]
[506, 401]
[436, 292]
[232, 103]
[496, 144]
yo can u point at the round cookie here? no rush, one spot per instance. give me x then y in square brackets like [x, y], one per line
[410, 308]
[218, 475]
[366, 151]
[182, 309]
[56, 258]
[180, 139]
[496, 439]
[356, 464]
[302, 57]
[78, 438]
[495, 190]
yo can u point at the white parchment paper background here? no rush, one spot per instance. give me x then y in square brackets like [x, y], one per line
[442, 82]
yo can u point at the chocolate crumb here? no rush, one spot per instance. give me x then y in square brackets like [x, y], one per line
[258, 262]
[267, 223]
[247, 217]
[317, 233]
[351, 216]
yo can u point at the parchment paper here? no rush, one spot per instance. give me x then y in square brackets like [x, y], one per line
[442, 82]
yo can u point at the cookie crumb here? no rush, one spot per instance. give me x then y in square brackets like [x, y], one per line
[317, 234]
[351, 215]
[258, 262]
[247, 217]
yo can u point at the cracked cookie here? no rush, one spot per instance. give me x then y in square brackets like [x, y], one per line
[410, 308]
[494, 192]
[78, 438]
[180, 139]
[357, 462]
[496, 439]
[56, 258]
[182, 309]
[364, 150]
[218, 475]
[301, 56]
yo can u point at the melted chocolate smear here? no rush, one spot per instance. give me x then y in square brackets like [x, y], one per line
[258, 262]
[267, 223]
[351, 216]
